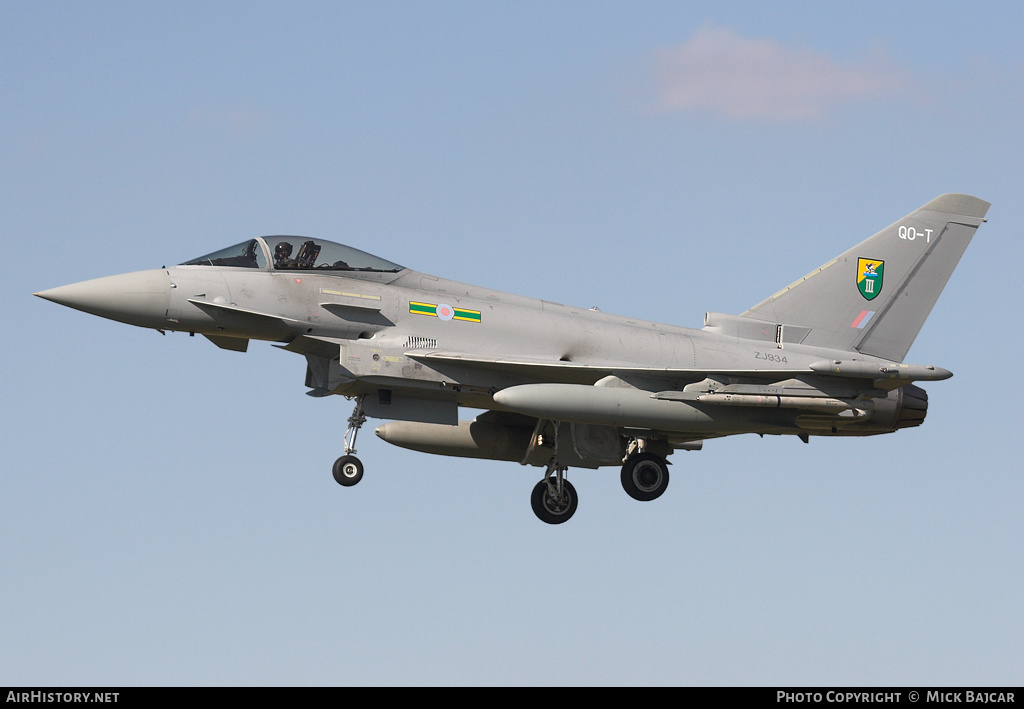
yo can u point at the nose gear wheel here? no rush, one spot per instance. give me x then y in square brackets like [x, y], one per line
[348, 470]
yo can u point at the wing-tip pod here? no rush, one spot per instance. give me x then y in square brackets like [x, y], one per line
[880, 370]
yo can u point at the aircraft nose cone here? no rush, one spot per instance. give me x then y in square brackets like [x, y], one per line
[135, 298]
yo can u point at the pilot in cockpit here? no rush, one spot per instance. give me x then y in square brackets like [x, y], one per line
[282, 256]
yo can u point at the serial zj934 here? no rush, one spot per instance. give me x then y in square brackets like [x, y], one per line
[771, 357]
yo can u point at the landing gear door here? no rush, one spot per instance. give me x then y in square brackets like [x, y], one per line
[601, 444]
[390, 404]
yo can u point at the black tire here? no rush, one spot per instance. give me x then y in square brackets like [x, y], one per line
[348, 470]
[644, 476]
[549, 509]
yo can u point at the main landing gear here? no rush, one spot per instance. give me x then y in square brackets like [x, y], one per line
[348, 470]
[554, 498]
[644, 476]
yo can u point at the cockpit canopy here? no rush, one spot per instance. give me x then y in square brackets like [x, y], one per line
[296, 253]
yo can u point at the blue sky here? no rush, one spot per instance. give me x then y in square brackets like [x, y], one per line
[167, 514]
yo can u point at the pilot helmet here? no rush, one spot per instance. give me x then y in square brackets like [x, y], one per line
[283, 250]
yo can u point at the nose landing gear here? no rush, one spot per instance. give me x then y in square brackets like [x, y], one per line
[348, 470]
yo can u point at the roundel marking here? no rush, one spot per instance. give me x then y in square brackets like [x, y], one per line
[445, 311]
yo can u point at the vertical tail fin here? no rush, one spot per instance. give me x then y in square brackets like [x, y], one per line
[875, 297]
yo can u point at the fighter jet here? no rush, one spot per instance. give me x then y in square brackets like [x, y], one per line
[561, 386]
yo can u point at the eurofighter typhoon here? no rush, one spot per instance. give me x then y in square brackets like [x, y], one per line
[560, 386]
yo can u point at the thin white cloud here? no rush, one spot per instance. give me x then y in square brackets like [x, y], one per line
[718, 72]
